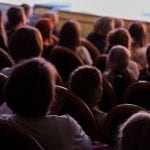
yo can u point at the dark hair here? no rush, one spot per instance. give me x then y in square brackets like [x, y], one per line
[29, 90]
[134, 133]
[86, 81]
[15, 15]
[26, 8]
[45, 26]
[25, 43]
[138, 33]
[119, 36]
[69, 34]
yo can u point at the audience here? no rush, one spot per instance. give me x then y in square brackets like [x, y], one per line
[100, 30]
[53, 16]
[25, 43]
[30, 93]
[121, 36]
[145, 72]
[16, 19]
[86, 82]
[138, 33]
[28, 12]
[30, 87]
[70, 38]
[117, 72]
[45, 26]
[134, 133]
[119, 23]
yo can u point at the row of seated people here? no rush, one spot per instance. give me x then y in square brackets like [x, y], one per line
[117, 36]
[26, 42]
[30, 94]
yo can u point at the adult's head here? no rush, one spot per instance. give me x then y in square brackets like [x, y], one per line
[70, 34]
[103, 25]
[86, 82]
[118, 58]
[16, 16]
[135, 132]
[29, 90]
[45, 26]
[28, 10]
[119, 36]
[25, 43]
[53, 16]
[138, 33]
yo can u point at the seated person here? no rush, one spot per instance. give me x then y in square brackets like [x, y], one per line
[45, 26]
[134, 133]
[30, 93]
[101, 28]
[16, 19]
[117, 72]
[86, 82]
[145, 72]
[70, 38]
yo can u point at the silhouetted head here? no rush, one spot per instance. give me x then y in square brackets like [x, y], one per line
[118, 58]
[138, 33]
[86, 82]
[29, 90]
[27, 9]
[45, 26]
[135, 132]
[16, 15]
[103, 25]
[70, 34]
[119, 36]
[25, 43]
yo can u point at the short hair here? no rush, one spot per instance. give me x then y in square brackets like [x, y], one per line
[86, 82]
[135, 132]
[25, 43]
[29, 90]
[118, 57]
[15, 15]
[45, 26]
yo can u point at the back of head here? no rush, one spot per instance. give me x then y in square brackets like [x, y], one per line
[103, 25]
[53, 16]
[25, 43]
[118, 58]
[15, 15]
[135, 132]
[70, 34]
[86, 82]
[138, 33]
[119, 36]
[119, 23]
[27, 9]
[30, 88]
[45, 26]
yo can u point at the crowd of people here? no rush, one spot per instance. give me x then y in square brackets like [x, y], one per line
[30, 88]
